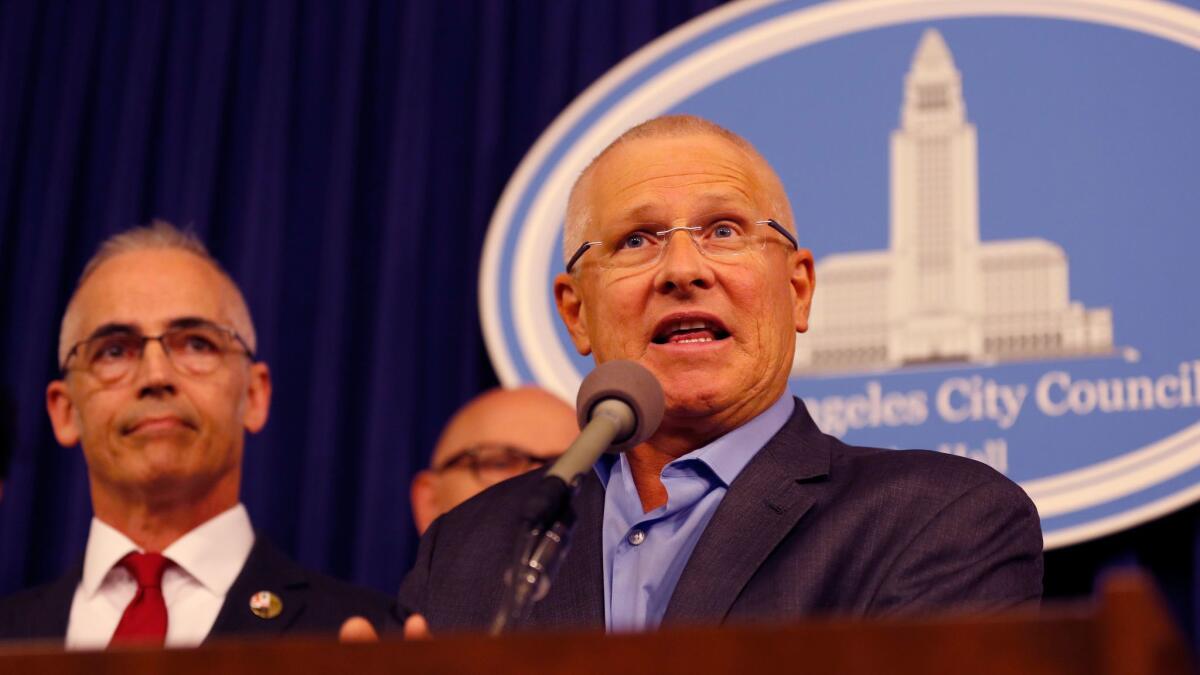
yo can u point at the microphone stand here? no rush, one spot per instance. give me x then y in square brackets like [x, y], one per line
[548, 520]
[623, 405]
[547, 517]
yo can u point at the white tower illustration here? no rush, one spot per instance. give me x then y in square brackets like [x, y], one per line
[933, 297]
[939, 293]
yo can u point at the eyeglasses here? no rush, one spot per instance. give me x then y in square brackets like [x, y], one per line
[197, 348]
[493, 462]
[643, 248]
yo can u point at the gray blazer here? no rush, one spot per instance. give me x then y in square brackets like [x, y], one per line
[811, 526]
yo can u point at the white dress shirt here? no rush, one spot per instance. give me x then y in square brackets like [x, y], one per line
[207, 561]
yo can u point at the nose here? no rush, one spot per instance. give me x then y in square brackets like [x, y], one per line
[683, 269]
[155, 372]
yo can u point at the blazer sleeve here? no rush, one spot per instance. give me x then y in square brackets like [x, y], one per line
[981, 551]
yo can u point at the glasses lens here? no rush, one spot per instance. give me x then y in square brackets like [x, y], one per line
[633, 249]
[724, 238]
[494, 463]
[196, 349]
[109, 357]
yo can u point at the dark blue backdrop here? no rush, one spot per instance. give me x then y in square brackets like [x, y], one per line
[342, 160]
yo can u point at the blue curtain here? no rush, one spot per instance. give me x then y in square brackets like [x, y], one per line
[342, 160]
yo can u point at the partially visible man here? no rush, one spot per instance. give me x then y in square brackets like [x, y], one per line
[680, 253]
[495, 436]
[159, 383]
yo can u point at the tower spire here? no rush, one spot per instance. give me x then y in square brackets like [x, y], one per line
[932, 56]
[932, 87]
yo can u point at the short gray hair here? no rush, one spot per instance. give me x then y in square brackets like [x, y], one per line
[158, 235]
[579, 216]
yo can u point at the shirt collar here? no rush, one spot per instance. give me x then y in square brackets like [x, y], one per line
[105, 548]
[213, 553]
[729, 454]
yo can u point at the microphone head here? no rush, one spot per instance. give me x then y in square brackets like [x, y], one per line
[630, 383]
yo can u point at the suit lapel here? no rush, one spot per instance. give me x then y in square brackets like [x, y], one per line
[576, 598]
[266, 569]
[762, 505]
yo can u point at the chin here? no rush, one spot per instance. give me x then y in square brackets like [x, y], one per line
[695, 399]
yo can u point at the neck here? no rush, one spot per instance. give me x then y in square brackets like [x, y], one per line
[676, 437]
[154, 522]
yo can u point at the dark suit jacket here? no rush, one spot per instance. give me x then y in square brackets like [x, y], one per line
[810, 526]
[312, 603]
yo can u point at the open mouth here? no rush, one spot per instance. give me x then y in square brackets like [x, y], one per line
[689, 331]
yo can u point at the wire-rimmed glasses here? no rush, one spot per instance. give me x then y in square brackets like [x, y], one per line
[493, 462]
[644, 248]
[196, 347]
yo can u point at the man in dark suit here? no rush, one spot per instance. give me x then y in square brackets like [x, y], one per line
[159, 384]
[681, 254]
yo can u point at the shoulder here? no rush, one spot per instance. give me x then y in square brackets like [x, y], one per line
[894, 479]
[484, 522]
[16, 604]
[40, 612]
[941, 507]
[491, 503]
[925, 477]
[454, 579]
[327, 601]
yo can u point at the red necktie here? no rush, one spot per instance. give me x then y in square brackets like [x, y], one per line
[145, 619]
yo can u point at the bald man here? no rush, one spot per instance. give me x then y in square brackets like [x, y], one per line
[159, 384]
[497, 435]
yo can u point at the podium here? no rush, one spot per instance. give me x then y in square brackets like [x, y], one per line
[1125, 631]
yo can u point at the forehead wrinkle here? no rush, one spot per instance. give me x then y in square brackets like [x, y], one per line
[726, 191]
[720, 172]
[730, 176]
[705, 203]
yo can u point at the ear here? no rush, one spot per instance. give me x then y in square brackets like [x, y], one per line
[421, 494]
[570, 308]
[804, 280]
[61, 410]
[258, 398]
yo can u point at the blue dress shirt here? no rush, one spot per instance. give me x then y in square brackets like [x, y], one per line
[645, 553]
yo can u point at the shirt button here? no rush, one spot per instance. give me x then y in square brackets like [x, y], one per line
[636, 537]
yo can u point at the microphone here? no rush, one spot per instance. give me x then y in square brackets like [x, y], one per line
[619, 405]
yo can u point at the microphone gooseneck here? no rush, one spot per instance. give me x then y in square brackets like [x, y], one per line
[620, 404]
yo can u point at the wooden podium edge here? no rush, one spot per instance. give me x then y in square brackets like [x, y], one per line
[1127, 632]
[1136, 634]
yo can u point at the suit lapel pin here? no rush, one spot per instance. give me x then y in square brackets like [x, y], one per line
[266, 605]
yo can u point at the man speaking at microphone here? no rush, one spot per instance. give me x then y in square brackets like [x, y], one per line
[681, 254]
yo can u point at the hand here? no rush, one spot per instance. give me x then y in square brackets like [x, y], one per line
[416, 628]
[358, 629]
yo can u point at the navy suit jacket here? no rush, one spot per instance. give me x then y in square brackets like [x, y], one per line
[312, 603]
[811, 526]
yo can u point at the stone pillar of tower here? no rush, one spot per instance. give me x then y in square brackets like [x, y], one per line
[934, 297]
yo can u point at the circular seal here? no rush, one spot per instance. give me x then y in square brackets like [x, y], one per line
[986, 187]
